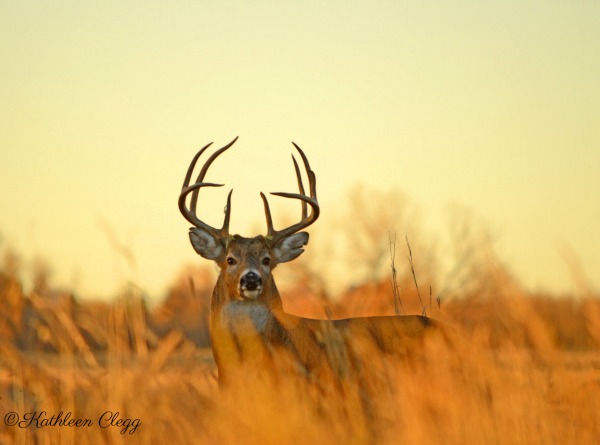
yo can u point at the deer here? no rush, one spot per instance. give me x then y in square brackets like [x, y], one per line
[248, 325]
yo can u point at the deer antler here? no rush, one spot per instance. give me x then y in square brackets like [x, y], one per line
[277, 235]
[186, 189]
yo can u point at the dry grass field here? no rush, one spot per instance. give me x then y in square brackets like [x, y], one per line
[525, 369]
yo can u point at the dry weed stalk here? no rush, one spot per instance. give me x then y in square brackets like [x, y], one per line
[398, 307]
[414, 275]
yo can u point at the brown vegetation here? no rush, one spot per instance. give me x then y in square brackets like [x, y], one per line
[526, 371]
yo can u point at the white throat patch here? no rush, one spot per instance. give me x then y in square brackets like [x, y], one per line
[251, 294]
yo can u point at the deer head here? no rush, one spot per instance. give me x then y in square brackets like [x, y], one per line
[246, 263]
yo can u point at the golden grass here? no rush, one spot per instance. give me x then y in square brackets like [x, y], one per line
[523, 370]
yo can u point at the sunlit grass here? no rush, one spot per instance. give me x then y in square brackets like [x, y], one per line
[524, 369]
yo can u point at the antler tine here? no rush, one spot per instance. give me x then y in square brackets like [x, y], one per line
[300, 187]
[307, 220]
[270, 229]
[312, 179]
[190, 214]
[205, 167]
[188, 175]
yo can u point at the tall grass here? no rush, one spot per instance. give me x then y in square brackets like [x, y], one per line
[524, 369]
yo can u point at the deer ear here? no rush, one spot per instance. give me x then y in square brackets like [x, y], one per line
[291, 247]
[205, 244]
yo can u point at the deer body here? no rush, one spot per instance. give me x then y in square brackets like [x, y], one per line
[247, 332]
[249, 328]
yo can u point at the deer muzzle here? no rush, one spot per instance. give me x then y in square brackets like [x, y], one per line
[250, 285]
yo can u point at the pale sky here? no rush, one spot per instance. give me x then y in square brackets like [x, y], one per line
[490, 105]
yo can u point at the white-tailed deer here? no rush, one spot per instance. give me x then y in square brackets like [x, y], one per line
[248, 324]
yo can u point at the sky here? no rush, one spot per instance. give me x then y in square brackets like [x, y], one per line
[490, 106]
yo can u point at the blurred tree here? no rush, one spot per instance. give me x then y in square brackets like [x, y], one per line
[367, 221]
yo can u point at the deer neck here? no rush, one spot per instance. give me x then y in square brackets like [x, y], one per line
[238, 327]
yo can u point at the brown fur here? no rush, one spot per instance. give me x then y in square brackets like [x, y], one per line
[258, 335]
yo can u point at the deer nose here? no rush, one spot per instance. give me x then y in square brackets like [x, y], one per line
[250, 281]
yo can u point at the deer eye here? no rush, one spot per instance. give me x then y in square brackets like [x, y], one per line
[231, 261]
[266, 261]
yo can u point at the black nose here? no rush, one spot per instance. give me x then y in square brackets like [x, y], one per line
[250, 281]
